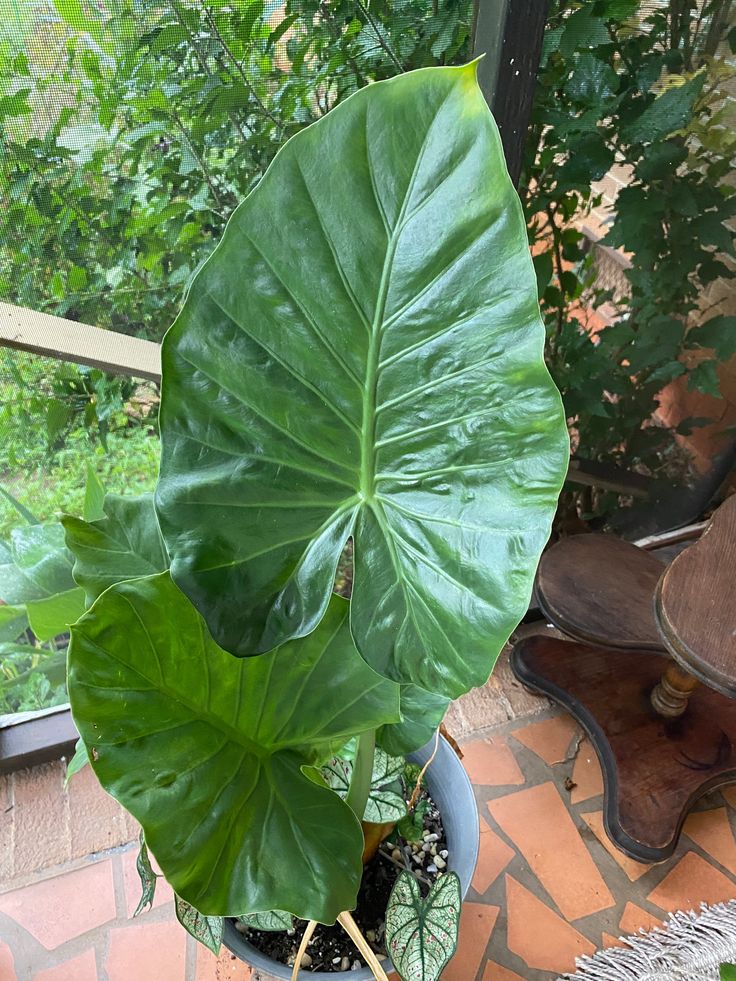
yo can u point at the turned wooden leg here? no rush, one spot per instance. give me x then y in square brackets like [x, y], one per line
[670, 696]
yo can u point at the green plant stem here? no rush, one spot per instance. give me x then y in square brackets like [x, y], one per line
[360, 784]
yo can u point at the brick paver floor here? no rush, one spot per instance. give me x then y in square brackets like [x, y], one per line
[549, 886]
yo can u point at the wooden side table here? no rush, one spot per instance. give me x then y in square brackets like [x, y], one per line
[650, 672]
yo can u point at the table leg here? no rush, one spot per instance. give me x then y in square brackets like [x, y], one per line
[670, 697]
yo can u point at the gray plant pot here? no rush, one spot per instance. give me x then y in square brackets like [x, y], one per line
[452, 792]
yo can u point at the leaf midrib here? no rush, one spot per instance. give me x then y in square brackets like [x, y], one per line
[368, 448]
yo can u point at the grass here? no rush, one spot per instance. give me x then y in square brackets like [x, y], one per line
[48, 489]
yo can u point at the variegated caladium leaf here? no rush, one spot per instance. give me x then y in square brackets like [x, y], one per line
[272, 921]
[421, 932]
[206, 929]
[385, 804]
[146, 874]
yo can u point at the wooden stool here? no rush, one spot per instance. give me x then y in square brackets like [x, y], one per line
[647, 635]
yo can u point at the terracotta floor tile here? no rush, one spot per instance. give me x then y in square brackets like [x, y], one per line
[66, 906]
[493, 857]
[536, 934]
[132, 884]
[730, 794]
[608, 941]
[495, 972]
[692, 881]
[158, 951]
[491, 763]
[550, 739]
[7, 965]
[538, 823]
[634, 870]
[586, 774]
[476, 926]
[635, 919]
[82, 968]
[712, 831]
[226, 967]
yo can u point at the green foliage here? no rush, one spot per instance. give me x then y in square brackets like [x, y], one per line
[77, 762]
[219, 757]
[44, 402]
[421, 713]
[123, 543]
[239, 739]
[421, 932]
[641, 88]
[728, 972]
[129, 132]
[401, 403]
[411, 826]
[60, 486]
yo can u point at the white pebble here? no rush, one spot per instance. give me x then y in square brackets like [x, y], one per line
[440, 862]
[306, 960]
[419, 859]
[345, 964]
[356, 966]
[370, 935]
[335, 960]
[433, 849]
[396, 855]
[444, 853]
[425, 835]
[426, 846]
[432, 837]
[432, 867]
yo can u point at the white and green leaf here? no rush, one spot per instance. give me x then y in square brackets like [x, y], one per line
[206, 929]
[421, 932]
[145, 873]
[385, 802]
[272, 921]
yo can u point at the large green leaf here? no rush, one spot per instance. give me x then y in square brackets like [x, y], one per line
[13, 621]
[52, 616]
[124, 544]
[421, 932]
[34, 564]
[207, 751]
[421, 713]
[36, 570]
[362, 354]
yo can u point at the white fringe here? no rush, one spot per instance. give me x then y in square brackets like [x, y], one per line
[690, 947]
